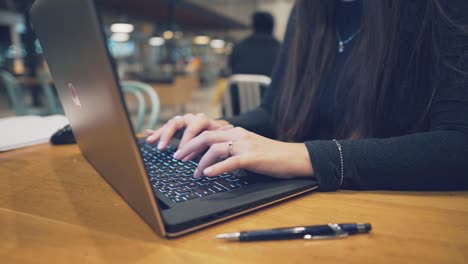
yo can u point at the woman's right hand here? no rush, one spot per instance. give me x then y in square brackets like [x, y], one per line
[193, 124]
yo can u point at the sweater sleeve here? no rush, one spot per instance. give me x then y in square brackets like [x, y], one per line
[432, 160]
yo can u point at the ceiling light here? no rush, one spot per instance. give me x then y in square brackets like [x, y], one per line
[156, 41]
[201, 40]
[168, 34]
[120, 37]
[217, 43]
[121, 28]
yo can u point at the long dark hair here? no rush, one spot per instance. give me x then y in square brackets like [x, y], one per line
[377, 78]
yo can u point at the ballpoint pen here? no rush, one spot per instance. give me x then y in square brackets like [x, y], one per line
[300, 232]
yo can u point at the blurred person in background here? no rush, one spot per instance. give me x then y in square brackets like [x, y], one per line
[257, 53]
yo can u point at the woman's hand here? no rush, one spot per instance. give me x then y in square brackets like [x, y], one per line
[237, 148]
[193, 124]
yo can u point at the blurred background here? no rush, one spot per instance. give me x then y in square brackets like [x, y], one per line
[186, 51]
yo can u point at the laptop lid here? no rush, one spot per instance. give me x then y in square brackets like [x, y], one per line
[73, 42]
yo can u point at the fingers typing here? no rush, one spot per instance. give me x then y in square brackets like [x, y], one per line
[168, 132]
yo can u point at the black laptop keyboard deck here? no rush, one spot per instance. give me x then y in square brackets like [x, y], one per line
[175, 178]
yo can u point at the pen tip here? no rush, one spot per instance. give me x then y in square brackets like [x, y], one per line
[229, 236]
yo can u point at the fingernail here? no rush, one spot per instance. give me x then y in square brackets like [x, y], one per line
[195, 173]
[160, 144]
[176, 154]
[207, 171]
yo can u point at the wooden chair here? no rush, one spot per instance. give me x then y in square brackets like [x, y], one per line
[16, 94]
[178, 94]
[143, 92]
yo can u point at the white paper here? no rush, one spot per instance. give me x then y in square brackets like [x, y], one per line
[22, 131]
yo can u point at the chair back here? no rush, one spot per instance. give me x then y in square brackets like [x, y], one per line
[14, 91]
[244, 93]
[16, 95]
[141, 91]
[53, 103]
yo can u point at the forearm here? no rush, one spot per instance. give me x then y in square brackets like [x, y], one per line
[297, 161]
[433, 160]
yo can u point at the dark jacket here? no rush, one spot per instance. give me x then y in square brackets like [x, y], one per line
[254, 55]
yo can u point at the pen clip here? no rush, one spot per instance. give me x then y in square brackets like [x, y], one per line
[339, 233]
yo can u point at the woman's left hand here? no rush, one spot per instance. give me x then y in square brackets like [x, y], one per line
[237, 148]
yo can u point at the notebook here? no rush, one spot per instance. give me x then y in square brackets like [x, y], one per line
[21, 131]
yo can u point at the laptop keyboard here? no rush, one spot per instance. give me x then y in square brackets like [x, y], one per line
[175, 178]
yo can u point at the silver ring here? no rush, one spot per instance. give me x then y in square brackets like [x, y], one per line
[229, 148]
[177, 117]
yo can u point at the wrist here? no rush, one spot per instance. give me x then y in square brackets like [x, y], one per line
[301, 164]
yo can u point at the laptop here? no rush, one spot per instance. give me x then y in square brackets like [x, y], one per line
[159, 188]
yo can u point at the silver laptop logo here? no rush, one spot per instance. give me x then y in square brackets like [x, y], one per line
[74, 95]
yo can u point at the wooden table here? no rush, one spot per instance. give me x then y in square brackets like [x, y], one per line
[178, 91]
[54, 208]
